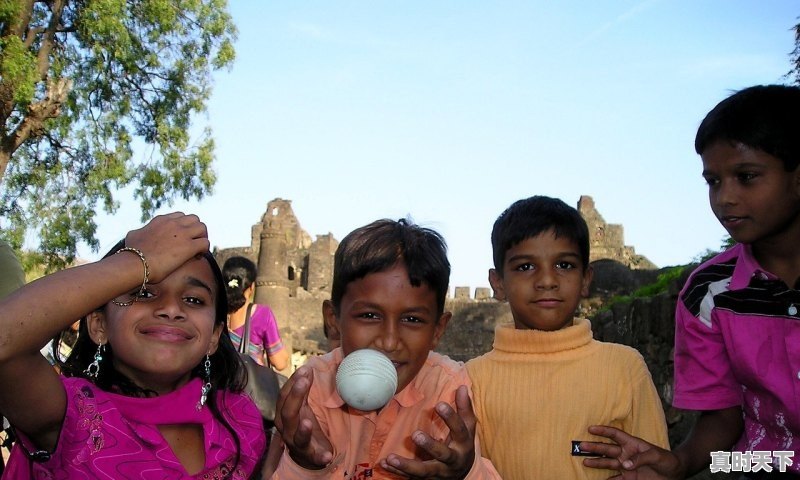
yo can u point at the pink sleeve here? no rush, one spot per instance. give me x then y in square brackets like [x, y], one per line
[704, 379]
[265, 330]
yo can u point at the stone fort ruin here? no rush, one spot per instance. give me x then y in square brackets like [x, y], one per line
[294, 277]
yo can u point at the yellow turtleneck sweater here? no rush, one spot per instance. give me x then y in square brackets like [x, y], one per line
[537, 391]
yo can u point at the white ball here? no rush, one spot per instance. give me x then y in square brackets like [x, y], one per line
[366, 379]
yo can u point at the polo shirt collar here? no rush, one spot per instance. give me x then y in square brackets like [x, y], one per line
[747, 268]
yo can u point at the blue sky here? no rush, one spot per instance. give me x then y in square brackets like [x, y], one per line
[448, 111]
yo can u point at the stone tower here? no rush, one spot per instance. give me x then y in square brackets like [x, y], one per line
[271, 283]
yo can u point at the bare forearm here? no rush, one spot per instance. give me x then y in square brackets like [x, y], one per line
[714, 430]
[280, 360]
[37, 311]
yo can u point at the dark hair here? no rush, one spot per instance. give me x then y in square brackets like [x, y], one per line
[763, 117]
[533, 216]
[238, 274]
[227, 371]
[381, 245]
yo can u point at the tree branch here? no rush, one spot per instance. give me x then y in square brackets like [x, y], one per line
[49, 38]
[33, 122]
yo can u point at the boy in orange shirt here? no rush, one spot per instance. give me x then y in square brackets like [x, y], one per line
[390, 280]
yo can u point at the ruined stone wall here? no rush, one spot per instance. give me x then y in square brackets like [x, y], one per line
[471, 330]
[304, 325]
[320, 263]
[221, 255]
[607, 241]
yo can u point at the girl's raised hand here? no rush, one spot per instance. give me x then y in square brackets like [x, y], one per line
[168, 241]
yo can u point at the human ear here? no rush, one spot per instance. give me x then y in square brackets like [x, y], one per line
[496, 281]
[215, 334]
[588, 274]
[440, 328]
[96, 326]
[331, 321]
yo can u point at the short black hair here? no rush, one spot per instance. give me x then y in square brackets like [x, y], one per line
[763, 117]
[381, 245]
[533, 216]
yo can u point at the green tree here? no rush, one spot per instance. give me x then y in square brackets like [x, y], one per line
[795, 71]
[84, 83]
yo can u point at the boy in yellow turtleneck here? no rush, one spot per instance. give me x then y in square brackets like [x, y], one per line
[546, 379]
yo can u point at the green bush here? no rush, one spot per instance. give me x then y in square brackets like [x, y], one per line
[661, 285]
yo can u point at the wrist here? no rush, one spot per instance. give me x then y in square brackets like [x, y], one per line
[145, 276]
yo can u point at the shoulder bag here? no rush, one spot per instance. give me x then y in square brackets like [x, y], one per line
[263, 383]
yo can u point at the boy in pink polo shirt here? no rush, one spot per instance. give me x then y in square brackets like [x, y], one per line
[389, 285]
[737, 332]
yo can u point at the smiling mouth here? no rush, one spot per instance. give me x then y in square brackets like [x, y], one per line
[169, 334]
[731, 220]
[547, 302]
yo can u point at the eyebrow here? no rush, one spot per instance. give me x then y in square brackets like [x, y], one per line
[196, 282]
[522, 256]
[739, 166]
[376, 306]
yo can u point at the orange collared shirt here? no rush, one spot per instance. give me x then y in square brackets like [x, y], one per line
[361, 439]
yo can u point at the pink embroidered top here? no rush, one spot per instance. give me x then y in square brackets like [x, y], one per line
[106, 435]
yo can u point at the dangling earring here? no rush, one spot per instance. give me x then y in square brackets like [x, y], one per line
[207, 385]
[93, 370]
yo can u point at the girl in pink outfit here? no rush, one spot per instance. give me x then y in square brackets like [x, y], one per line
[152, 388]
[266, 346]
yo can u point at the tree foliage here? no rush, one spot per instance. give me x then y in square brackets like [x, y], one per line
[796, 55]
[84, 84]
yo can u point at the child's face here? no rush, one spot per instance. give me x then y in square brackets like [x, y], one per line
[543, 279]
[384, 312]
[162, 336]
[751, 194]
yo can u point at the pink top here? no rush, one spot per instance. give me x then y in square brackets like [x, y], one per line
[111, 436]
[737, 338]
[361, 439]
[264, 336]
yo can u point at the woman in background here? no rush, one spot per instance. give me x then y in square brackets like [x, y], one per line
[266, 346]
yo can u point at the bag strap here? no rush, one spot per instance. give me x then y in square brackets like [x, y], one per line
[244, 345]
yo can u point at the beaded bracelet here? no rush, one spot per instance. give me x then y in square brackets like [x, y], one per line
[144, 280]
